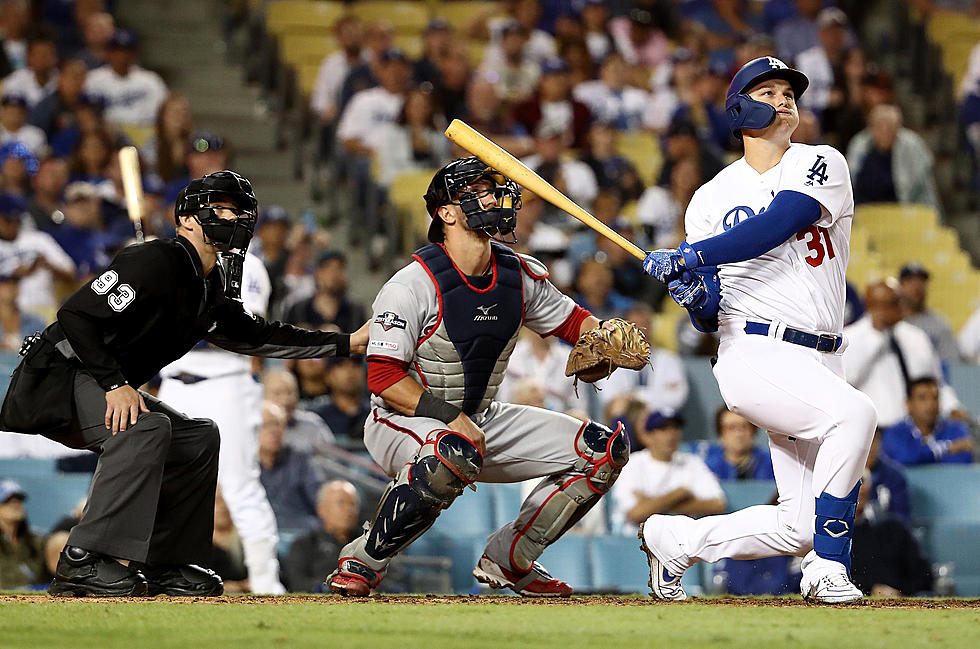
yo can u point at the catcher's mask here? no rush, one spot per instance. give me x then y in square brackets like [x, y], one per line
[229, 236]
[454, 184]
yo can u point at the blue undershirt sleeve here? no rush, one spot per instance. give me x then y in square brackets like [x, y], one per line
[788, 213]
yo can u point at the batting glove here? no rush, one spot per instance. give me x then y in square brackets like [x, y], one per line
[665, 264]
[689, 291]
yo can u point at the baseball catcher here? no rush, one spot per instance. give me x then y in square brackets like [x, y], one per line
[443, 329]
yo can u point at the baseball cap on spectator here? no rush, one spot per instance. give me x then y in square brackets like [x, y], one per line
[512, 27]
[913, 269]
[122, 39]
[393, 54]
[17, 149]
[12, 207]
[330, 255]
[553, 66]
[681, 127]
[10, 489]
[273, 214]
[80, 190]
[831, 17]
[13, 99]
[662, 419]
[205, 141]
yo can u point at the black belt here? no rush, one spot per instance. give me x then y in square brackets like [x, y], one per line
[190, 379]
[821, 342]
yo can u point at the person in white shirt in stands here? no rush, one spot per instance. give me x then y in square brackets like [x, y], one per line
[571, 176]
[132, 94]
[968, 340]
[662, 384]
[884, 353]
[360, 129]
[34, 256]
[325, 98]
[662, 480]
[542, 359]
[40, 77]
[610, 98]
[14, 126]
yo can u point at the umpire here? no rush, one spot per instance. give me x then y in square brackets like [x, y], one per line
[150, 510]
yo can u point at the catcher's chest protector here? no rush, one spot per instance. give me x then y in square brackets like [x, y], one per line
[463, 360]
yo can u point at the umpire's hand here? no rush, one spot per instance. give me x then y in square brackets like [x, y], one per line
[122, 406]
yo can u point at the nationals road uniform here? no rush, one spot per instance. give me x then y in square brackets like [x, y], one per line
[819, 426]
[454, 334]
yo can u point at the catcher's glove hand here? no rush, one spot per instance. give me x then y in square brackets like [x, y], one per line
[599, 351]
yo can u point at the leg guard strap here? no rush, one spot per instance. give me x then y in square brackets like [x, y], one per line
[604, 453]
[834, 526]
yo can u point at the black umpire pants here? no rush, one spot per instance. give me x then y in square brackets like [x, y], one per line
[152, 495]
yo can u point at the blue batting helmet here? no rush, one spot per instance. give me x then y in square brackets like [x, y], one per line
[745, 112]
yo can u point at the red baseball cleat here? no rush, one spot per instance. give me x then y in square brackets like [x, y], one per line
[536, 582]
[353, 579]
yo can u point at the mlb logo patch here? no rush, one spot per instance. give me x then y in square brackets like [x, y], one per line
[390, 319]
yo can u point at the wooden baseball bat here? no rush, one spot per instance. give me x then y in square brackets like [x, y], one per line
[465, 136]
[129, 168]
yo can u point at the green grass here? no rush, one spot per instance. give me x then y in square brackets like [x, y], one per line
[47, 624]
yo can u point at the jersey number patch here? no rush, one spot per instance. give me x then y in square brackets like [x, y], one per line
[119, 299]
[814, 245]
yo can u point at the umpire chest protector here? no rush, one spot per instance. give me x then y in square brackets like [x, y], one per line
[462, 359]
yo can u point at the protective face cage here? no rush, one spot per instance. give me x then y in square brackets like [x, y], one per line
[230, 237]
[456, 187]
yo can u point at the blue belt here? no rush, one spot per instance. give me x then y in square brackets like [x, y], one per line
[821, 342]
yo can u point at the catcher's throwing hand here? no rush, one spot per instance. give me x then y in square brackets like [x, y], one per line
[599, 351]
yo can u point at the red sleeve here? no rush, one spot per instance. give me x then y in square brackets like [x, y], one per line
[568, 330]
[384, 372]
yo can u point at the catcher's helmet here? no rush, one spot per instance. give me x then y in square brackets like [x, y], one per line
[745, 112]
[451, 185]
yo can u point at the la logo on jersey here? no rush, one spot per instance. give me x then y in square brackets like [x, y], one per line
[818, 172]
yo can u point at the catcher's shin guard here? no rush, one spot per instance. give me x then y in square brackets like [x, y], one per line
[445, 465]
[561, 500]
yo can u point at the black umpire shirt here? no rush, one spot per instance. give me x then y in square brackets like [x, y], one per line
[154, 303]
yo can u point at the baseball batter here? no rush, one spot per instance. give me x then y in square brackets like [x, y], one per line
[768, 239]
[211, 382]
[444, 327]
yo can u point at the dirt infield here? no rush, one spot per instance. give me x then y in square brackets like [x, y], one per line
[587, 600]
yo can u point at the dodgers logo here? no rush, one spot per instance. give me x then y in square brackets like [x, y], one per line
[390, 319]
[775, 63]
[818, 172]
[736, 215]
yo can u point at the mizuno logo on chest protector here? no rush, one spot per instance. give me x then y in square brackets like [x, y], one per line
[484, 313]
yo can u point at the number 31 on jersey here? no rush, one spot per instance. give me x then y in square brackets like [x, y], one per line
[119, 299]
[821, 250]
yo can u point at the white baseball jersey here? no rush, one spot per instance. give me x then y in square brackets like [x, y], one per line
[132, 99]
[800, 282]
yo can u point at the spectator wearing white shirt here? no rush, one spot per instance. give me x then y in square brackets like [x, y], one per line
[611, 99]
[325, 98]
[15, 19]
[819, 62]
[968, 340]
[540, 45]
[14, 126]
[360, 130]
[514, 74]
[542, 359]
[662, 480]
[572, 177]
[884, 353]
[415, 140]
[40, 77]
[34, 256]
[660, 210]
[595, 19]
[661, 385]
[132, 94]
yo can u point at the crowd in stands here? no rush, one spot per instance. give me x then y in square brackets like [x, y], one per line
[566, 86]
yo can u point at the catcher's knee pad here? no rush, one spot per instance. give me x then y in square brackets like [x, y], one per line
[604, 453]
[440, 472]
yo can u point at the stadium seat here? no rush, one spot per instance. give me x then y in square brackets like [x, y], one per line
[470, 514]
[507, 500]
[955, 541]
[745, 493]
[407, 17]
[462, 13]
[405, 194]
[618, 565]
[306, 76]
[703, 399]
[568, 559]
[965, 379]
[944, 491]
[50, 497]
[643, 150]
[302, 15]
[299, 47]
[465, 551]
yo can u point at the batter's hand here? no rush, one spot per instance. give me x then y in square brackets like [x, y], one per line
[665, 264]
[359, 339]
[688, 291]
[122, 406]
[465, 427]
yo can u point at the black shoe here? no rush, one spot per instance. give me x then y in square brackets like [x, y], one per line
[187, 581]
[81, 572]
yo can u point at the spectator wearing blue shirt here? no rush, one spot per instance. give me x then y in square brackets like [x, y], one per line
[889, 488]
[923, 437]
[735, 457]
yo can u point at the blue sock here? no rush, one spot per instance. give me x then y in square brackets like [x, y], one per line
[835, 526]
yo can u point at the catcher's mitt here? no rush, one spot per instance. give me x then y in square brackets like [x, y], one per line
[599, 351]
